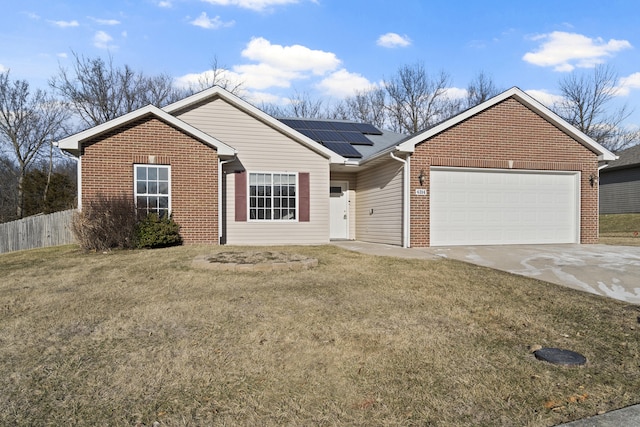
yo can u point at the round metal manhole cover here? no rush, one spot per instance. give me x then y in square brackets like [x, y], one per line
[558, 356]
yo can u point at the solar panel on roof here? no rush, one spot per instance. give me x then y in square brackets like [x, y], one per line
[344, 126]
[319, 125]
[292, 123]
[342, 148]
[367, 128]
[329, 135]
[309, 133]
[356, 138]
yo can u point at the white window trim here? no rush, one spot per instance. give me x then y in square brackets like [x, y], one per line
[248, 193]
[135, 179]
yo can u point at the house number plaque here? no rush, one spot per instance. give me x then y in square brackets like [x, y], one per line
[421, 192]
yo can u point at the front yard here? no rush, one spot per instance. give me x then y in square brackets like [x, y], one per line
[143, 336]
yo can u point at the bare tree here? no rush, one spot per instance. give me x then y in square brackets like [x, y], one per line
[416, 100]
[301, 105]
[586, 103]
[99, 91]
[29, 122]
[365, 106]
[480, 89]
[218, 75]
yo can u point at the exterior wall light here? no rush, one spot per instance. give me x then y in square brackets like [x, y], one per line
[421, 177]
[593, 179]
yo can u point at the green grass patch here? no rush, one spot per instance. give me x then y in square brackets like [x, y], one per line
[142, 336]
[620, 229]
[620, 223]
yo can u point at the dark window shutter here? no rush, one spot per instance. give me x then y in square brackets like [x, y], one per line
[241, 196]
[303, 182]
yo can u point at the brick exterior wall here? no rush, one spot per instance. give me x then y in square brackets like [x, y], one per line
[108, 167]
[508, 131]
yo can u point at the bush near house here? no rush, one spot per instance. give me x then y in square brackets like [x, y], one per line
[111, 222]
[155, 231]
[106, 222]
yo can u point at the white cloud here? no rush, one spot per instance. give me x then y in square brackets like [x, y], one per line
[257, 5]
[565, 51]
[65, 24]
[195, 79]
[295, 58]
[543, 96]
[102, 40]
[263, 76]
[626, 84]
[165, 4]
[455, 93]
[106, 21]
[274, 66]
[257, 98]
[3, 68]
[342, 84]
[393, 40]
[205, 22]
[62, 55]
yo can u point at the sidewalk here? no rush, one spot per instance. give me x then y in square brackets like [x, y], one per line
[625, 417]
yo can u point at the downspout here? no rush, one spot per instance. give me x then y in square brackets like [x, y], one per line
[598, 197]
[405, 199]
[221, 164]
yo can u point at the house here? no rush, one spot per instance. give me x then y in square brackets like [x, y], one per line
[620, 183]
[507, 171]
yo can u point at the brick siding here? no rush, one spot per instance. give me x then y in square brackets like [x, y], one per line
[508, 132]
[108, 163]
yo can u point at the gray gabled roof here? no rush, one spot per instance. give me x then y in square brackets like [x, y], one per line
[626, 159]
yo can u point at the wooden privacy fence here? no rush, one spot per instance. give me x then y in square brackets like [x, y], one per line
[37, 231]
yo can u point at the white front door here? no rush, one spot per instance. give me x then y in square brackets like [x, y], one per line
[339, 209]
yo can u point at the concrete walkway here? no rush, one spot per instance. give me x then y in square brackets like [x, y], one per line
[611, 271]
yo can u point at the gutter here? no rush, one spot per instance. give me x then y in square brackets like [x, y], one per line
[405, 199]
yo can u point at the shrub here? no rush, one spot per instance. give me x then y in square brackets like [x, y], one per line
[154, 231]
[106, 222]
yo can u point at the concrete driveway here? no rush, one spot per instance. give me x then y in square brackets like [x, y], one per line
[612, 271]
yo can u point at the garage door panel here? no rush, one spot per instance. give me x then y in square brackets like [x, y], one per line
[503, 207]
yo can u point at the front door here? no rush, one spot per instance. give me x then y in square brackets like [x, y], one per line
[339, 210]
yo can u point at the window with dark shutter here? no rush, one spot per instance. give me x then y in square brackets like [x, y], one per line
[241, 196]
[305, 198]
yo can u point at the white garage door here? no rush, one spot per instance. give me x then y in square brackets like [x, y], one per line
[492, 207]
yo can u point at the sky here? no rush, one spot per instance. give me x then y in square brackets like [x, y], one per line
[328, 49]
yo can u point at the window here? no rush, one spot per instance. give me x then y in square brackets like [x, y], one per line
[152, 189]
[273, 196]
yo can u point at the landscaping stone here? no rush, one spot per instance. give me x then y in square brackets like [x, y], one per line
[254, 261]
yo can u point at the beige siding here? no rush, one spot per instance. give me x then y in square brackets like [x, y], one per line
[351, 179]
[263, 149]
[379, 210]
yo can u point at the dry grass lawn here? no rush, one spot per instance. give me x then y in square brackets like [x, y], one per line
[144, 337]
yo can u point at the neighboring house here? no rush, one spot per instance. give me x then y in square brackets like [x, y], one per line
[505, 172]
[620, 183]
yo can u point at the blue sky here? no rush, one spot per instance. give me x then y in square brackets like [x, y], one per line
[329, 48]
